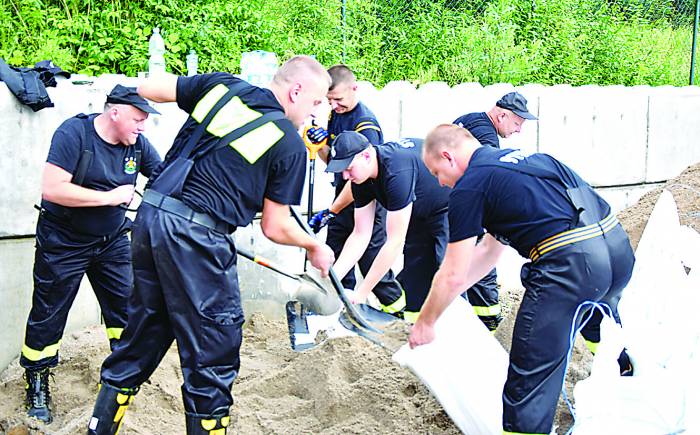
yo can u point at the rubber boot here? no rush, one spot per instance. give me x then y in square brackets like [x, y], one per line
[38, 397]
[110, 406]
[213, 424]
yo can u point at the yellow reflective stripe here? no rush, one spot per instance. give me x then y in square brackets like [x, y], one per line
[411, 316]
[396, 306]
[573, 236]
[232, 115]
[221, 431]
[209, 424]
[225, 421]
[505, 432]
[36, 355]
[114, 333]
[257, 142]
[369, 127]
[492, 310]
[208, 101]
[591, 345]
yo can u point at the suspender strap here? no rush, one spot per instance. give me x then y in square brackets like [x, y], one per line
[86, 155]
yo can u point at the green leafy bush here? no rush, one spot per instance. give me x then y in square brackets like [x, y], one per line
[579, 42]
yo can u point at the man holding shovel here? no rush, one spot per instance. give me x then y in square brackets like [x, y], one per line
[349, 114]
[238, 153]
[393, 175]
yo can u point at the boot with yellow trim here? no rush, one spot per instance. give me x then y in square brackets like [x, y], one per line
[110, 406]
[38, 398]
[214, 424]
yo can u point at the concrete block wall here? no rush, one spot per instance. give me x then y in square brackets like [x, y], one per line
[623, 140]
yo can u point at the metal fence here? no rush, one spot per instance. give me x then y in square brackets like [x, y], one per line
[528, 38]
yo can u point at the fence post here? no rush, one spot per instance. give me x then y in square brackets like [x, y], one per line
[695, 37]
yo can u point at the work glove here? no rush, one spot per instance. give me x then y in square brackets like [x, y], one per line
[317, 134]
[321, 219]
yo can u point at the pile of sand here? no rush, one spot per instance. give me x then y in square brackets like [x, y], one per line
[345, 385]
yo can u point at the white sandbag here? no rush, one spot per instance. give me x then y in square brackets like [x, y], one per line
[465, 368]
[660, 331]
[607, 403]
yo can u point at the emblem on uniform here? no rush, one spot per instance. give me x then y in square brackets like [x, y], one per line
[129, 166]
[406, 143]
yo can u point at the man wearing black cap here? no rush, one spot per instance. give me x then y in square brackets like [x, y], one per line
[504, 119]
[88, 180]
[394, 176]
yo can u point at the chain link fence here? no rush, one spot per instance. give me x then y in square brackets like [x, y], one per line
[627, 42]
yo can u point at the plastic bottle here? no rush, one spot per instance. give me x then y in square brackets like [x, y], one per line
[191, 61]
[156, 51]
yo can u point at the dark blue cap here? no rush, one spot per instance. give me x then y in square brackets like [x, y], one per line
[344, 148]
[516, 103]
[125, 95]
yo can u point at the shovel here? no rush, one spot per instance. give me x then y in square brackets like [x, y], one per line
[315, 315]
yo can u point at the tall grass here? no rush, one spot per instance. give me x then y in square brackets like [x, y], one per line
[487, 41]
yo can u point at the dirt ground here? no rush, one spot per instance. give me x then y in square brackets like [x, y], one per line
[345, 385]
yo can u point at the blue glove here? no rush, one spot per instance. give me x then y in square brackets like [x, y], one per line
[317, 134]
[321, 219]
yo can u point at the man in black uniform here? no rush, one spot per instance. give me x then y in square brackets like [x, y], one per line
[349, 114]
[504, 119]
[238, 153]
[394, 176]
[581, 260]
[90, 171]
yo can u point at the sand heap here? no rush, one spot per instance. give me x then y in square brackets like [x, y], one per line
[344, 385]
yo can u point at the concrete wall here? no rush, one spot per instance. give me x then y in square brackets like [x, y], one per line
[623, 140]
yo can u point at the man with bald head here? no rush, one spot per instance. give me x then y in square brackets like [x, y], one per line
[580, 261]
[504, 119]
[237, 153]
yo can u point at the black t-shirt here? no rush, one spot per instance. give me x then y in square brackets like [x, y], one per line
[112, 165]
[403, 178]
[359, 119]
[517, 208]
[230, 183]
[481, 127]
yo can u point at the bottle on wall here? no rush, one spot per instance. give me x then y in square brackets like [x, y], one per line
[191, 61]
[156, 51]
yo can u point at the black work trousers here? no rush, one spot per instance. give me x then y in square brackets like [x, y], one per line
[62, 257]
[185, 289]
[556, 284]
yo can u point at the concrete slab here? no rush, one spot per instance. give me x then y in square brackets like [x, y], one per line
[673, 132]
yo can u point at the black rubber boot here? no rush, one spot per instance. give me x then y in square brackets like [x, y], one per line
[213, 424]
[38, 397]
[110, 406]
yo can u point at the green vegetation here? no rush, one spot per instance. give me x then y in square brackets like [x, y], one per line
[489, 41]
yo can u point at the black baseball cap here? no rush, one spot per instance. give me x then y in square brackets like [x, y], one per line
[516, 103]
[344, 148]
[124, 95]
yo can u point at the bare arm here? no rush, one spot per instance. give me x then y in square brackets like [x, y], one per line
[357, 241]
[278, 226]
[343, 200]
[56, 187]
[462, 267]
[161, 88]
[396, 228]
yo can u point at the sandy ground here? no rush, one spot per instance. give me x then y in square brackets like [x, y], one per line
[345, 385]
